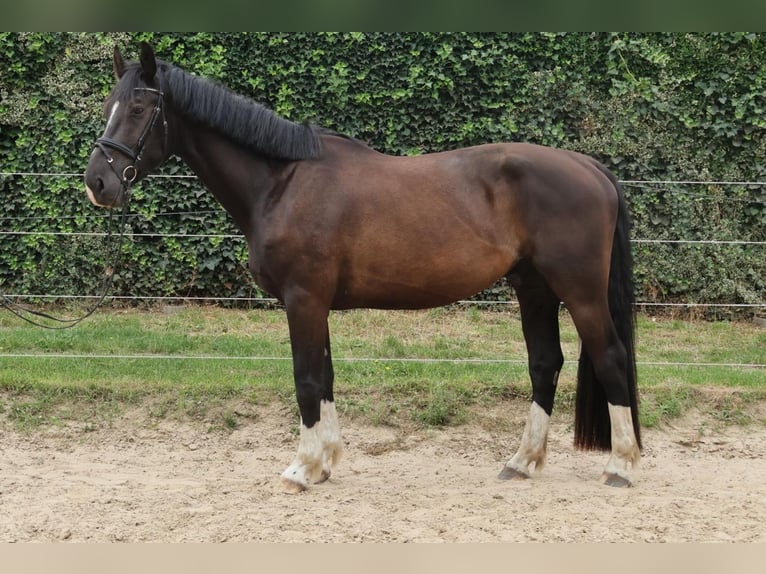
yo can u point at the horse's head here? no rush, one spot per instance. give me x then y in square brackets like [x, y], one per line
[135, 139]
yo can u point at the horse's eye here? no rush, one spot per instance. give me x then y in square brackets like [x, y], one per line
[137, 110]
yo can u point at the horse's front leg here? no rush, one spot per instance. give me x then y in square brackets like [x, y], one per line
[320, 446]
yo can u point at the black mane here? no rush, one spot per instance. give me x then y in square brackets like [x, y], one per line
[237, 117]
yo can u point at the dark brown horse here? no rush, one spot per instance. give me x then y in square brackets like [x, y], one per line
[333, 224]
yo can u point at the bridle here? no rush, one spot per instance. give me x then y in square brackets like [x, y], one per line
[130, 173]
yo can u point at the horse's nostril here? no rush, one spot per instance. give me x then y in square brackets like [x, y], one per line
[94, 188]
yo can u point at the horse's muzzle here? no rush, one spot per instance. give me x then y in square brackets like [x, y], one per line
[100, 197]
[93, 200]
[103, 187]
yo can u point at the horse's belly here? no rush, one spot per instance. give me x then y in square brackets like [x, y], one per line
[421, 283]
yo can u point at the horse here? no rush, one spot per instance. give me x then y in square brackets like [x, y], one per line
[332, 224]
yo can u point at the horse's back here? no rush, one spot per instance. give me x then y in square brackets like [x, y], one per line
[510, 168]
[501, 193]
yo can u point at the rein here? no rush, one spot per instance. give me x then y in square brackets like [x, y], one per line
[127, 178]
[23, 312]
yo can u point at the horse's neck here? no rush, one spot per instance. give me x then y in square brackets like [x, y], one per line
[234, 176]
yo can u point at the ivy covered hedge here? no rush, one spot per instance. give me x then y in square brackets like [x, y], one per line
[660, 107]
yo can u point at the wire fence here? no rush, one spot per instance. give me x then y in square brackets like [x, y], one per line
[570, 362]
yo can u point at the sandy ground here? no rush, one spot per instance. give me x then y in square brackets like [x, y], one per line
[137, 480]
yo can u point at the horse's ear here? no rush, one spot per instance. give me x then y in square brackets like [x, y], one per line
[148, 62]
[118, 63]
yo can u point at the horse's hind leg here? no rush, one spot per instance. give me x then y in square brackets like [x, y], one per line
[539, 320]
[603, 419]
[609, 396]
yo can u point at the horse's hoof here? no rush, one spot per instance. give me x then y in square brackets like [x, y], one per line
[323, 477]
[509, 473]
[611, 479]
[291, 486]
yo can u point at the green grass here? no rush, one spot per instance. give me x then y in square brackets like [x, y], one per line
[131, 357]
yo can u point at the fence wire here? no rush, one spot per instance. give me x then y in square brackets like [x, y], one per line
[241, 238]
[570, 362]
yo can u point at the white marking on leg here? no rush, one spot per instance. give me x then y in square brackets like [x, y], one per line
[534, 442]
[329, 434]
[307, 465]
[319, 449]
[625, 454]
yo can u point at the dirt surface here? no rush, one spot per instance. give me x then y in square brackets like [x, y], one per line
[138, 480]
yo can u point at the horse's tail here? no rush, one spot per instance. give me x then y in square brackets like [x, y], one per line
[592, 424]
